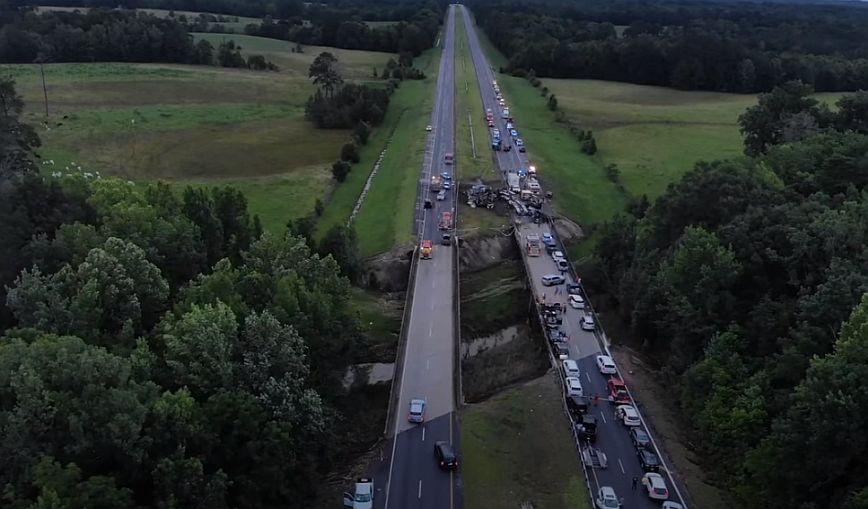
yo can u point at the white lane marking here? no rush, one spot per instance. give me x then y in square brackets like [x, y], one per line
[603, 416]
[622, 466]
[431, 329]
[420, 488]
[423, 433]
[588, 376]
[432, 306]
[428, 364]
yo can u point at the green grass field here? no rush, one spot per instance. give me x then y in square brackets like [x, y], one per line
[653, 134]
[469, 115]
[195, 125]
[236, 23]
[386, 217]
[502, 436]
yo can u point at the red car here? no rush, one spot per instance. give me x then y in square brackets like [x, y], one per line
[618, 391]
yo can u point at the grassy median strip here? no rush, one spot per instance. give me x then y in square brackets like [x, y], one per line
[503, 440]
[471, 129]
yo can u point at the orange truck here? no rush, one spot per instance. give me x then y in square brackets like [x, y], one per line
[427, 249]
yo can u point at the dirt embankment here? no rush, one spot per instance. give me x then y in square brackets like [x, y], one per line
[499, 344]
[388, 272]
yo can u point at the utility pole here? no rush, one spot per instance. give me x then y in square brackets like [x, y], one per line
[41, 60]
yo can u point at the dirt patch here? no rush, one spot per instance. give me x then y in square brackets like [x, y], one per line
[657, 407]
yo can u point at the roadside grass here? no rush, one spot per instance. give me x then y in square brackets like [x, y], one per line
[387, 215]
[380, 318]
[493, 299]
[470, 127]
[503, 441]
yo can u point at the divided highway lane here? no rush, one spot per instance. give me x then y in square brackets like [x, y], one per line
[584, 347]
[414, 478]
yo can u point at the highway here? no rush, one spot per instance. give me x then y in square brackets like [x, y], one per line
[612, 436]
[414, 479]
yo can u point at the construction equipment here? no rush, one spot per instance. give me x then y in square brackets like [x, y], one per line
[427, 249]
[533, 244]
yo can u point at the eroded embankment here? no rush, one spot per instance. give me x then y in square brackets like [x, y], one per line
[500, 344]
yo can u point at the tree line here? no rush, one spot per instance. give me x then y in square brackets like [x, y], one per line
[724, 46]
[747, 281]
[158, 350]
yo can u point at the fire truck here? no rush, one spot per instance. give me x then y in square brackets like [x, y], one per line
[427, 249]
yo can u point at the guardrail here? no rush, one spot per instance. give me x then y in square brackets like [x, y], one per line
[397, 376]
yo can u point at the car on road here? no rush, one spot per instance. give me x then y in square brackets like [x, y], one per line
[671, 505]
[588, 323]
[587, 428]
[446, 175]
[648, 460]
[553, 279]
[607, 499]
[363, 497]
[574, 289]
[447, 185]
[577, 405]
[606, 365]
[519, 142]
[441, 195]
[513, 133]
[522, 149]
[557, 336]
[491, 123]
[557, 255]
[655, 485]
[562, 265]
[573, 386]
[577, 302]
[548, 239]
[449, 158]
[509, 125]
[628, 415]
[446, 456]
[428, 204]
[429, 128]
[617, 390]
[561, 349]
[639, 438]
[496, 132]
[571, 368]
[417, 410]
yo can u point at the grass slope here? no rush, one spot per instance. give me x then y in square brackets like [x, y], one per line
[236, 23]
[501, 437]
[386, 217]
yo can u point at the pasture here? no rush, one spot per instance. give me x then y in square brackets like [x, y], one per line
[195, 125]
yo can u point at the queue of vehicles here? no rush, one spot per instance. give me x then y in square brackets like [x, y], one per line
[624, 410]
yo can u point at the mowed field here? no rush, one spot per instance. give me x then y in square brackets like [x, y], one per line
[197, 125]
[653, 134]
[235, 24]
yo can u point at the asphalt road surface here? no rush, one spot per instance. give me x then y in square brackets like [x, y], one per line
[414, 477]
[612, 437]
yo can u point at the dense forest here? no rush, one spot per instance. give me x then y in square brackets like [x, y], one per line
[157, 350]
[738, 279]
[693, 45]
[109, 34]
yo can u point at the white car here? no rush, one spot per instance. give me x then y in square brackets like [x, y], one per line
[628, 415]
[607, 499]
[577, 302]
[574, 386]
[672, 505]
[429, 128]
[588, 323]
[509, 125]
[655, 485]
[441, 195]
[606, 365]
[496, 132]
[571, 368]
[558, 255]
[363, 498]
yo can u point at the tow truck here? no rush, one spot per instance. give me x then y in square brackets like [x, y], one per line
[445, 221]
[427, 248]
[533, 245]
[363, 498]
[436, 183]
